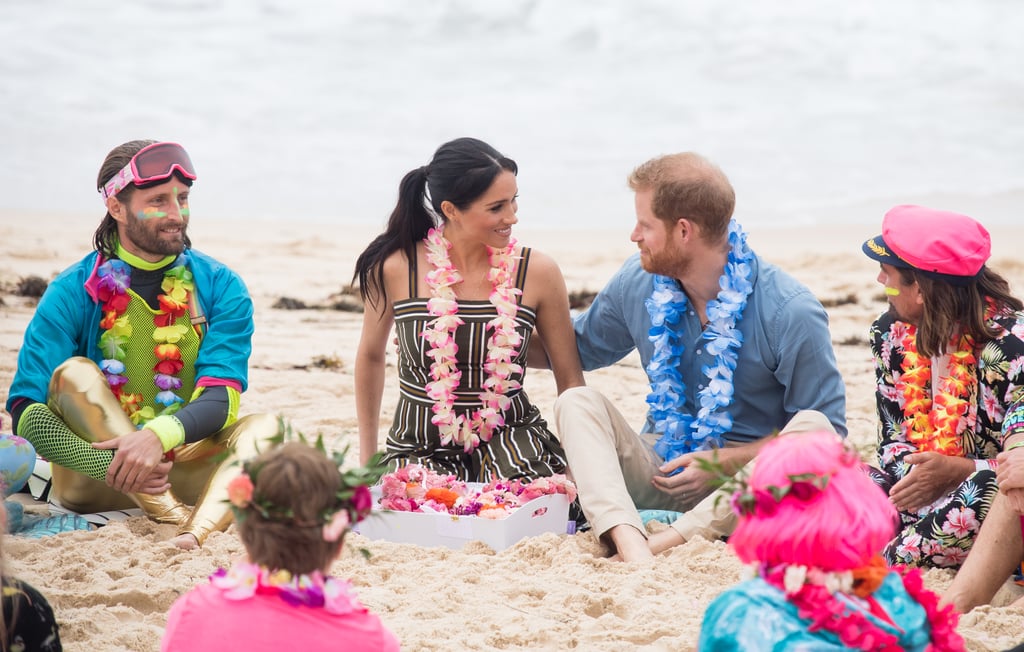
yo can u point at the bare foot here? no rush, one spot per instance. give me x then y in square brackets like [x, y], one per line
[664, 540]
[630, 543]
[186, 541]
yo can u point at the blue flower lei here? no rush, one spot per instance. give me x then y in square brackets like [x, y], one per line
[681, 432]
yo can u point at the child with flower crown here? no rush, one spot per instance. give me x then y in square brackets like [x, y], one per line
[812, 526]
[293, 507]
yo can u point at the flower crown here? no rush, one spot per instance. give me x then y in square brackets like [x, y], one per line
[353, 500]
[804, 487]
[765, 501]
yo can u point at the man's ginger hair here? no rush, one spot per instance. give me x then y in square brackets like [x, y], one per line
[688, 186]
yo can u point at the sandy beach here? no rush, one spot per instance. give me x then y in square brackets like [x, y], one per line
[111, 588]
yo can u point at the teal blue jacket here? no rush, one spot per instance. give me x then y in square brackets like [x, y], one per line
[66, 324]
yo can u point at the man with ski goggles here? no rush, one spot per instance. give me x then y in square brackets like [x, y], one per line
[129, 378]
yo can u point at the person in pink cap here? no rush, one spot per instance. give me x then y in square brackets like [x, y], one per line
[949, 363]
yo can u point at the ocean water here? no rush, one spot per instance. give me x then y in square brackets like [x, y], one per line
[314, 109]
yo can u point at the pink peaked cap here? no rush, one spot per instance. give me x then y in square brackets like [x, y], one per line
[940, 242]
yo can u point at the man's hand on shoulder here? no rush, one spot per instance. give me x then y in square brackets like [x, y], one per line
[138, 465]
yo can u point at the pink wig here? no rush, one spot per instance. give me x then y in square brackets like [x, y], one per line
[838, 529]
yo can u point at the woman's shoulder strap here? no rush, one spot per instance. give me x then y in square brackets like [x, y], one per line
[413, 273]
[524, 262]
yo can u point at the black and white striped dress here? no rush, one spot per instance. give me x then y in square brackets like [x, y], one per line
[523, 448]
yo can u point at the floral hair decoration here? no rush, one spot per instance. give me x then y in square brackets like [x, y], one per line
[353, 500]
[764, 501]
[805, 487]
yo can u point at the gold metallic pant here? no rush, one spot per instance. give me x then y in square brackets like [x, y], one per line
[79, 395]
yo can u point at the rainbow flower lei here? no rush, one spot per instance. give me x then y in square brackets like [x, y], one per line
[244, 580]
[682, 432]
[416, 488]
[813, 592]
[114, 281]
[471, 429]
[937, 424]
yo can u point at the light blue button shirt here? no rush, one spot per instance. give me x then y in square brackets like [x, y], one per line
[786, 363]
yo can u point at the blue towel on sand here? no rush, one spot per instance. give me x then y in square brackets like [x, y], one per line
[660, 515]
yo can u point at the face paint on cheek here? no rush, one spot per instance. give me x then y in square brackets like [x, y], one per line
[184, 212]
[149, 212]
[892, 292]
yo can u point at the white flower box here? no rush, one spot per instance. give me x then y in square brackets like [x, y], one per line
[548, 513]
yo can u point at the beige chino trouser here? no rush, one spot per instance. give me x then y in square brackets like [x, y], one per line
[612, 467]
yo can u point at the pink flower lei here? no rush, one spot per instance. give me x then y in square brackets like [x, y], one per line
[479, 425]
[244, 580]
[814, 593]
[417, 488]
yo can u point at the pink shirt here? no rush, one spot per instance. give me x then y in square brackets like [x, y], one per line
[203, 620]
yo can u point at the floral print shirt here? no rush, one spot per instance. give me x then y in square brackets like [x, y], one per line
[1000, 399]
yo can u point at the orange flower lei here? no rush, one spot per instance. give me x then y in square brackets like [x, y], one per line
[936, 424]
[115, 279]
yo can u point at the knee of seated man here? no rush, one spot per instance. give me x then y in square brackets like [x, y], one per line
[74, 374]
[808, 421]
[263, 425]
[577, 397]
[576, 403]
[253, 433]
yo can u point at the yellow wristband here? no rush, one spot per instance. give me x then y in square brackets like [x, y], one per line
[1016, 444]
[168, 430]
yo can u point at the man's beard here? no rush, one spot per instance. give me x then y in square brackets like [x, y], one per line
[147, 237]
[665, 263]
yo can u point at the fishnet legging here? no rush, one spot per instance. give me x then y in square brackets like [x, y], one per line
[53, 440]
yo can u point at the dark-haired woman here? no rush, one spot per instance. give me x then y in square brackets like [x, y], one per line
[465, 300]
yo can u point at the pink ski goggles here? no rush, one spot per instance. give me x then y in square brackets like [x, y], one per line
[156, 162]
